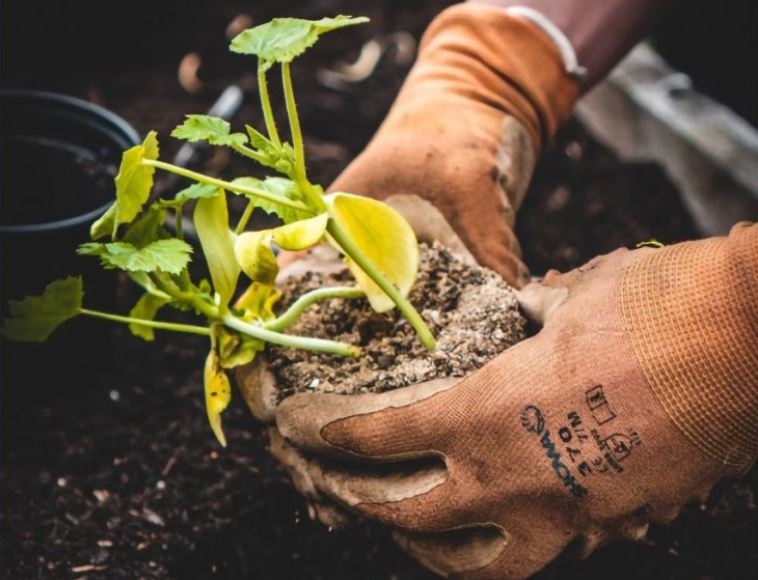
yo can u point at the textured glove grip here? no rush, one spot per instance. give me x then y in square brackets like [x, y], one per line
[692, 313]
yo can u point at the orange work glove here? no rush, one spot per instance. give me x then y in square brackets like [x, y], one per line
[640, 392]
[487, 92]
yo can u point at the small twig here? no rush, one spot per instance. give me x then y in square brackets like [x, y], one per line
[87, 568]
[169, 466]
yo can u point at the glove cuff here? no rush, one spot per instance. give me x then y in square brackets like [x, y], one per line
[519, 67]
[691, 311]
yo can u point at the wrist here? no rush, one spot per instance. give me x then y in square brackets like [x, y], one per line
[503, 61]
[601, 32]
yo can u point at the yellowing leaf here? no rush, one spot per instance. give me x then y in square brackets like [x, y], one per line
[384, 237]
[134, 180]
[236, 349]
[218, 393]
[650, 244]
[258, 302]
[211, 219]
[255, 256]
[283, 39]
[105, 224]
[34, 318]
[302, 234]
[146, 309]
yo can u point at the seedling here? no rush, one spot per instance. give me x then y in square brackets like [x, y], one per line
[378, 245]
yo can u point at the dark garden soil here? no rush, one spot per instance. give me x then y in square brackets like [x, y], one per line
[114, 473]
[470, 310]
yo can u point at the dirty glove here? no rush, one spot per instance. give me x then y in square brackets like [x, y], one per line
[487, 92]
[640, 392]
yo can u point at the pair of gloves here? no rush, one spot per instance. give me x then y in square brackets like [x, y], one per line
[637, 395]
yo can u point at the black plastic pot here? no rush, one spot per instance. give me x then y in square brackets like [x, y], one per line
[58, 158]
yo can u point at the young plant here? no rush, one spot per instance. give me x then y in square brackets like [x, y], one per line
[378, 245]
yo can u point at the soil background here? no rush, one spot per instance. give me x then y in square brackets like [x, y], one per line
[112, 472]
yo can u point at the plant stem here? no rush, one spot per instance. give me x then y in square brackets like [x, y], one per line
[247, 152]
[301, 342]
[206, 309]
[178, 217]
[268, 113]
[210, 312]
[151, 323]
[179, 227]
[306, 300]
[297, 135]
[312, 197]
[243, 189]
[356, 254]
[242, 224]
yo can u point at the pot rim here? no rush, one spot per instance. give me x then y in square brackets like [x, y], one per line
[107, 119]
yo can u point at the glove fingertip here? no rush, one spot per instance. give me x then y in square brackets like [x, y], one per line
[302, 417]
[540, 302]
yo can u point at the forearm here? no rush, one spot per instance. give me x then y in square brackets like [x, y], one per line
[600, 31]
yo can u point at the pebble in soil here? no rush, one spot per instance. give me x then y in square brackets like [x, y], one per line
[471, 311]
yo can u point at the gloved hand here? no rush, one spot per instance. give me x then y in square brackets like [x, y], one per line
[640, 392]
[487, 92]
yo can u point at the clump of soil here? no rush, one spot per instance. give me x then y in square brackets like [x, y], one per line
[471, 311]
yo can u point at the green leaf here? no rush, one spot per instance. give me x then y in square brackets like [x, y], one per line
[280, 186]
[258, 139]
[134, 181]
[148, 228]
[171, 255]
[253, 253]
[91, 249]
[283, 39]
[211, 221]
[194, 191]
[146, 309]
[218, 393]
[384, 236]
[198, 191]
[214, 130]
[279, 157]
[34, 318]
[257, 302]
[204, 289]
[302, 234]
[105, 224]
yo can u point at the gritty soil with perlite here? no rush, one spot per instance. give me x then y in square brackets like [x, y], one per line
[471, 311]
